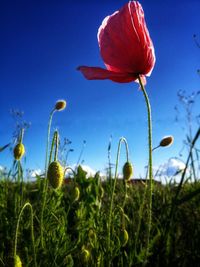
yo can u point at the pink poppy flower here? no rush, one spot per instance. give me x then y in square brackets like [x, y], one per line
[125, 46]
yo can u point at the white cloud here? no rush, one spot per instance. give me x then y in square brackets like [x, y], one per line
[3, 169]
[34, 173]
[170, 170]
[90, 171]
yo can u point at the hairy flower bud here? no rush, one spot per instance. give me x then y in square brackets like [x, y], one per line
[75, 194]
[17, 261]
[19, 151]
[55, 174]
[124, 237]
[127, 171]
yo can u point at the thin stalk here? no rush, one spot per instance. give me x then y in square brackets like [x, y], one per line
[122, 139]
[109, 158]
[21, 136]
[125, 194]
[48, 139]
[141, 209]
[20, 182]
[45, 180]
[150, 163]
[52, 146]
[155, 147]
[19, 187]
[56, 144]
[32, 231]
[81, 153]
[125, 182]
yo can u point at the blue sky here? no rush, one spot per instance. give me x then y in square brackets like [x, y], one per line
[42, 44]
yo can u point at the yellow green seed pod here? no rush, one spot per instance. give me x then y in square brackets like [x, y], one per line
[124, 237]
[19, 151]
[55, 174]
[167, 141]
[60, 105]
[127, 171]
[75, 194]
[17, 261]
[85, 254]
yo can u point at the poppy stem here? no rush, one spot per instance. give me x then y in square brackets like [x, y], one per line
[150, 172]
[110, 214]
[45, 185]
[27, 204]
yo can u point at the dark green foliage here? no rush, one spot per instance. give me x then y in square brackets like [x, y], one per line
[70, 227]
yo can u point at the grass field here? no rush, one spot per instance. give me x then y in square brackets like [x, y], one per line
[81, 221]
[76, 226]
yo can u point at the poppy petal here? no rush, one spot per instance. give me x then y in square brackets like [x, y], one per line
[124, 41]
[96, 73]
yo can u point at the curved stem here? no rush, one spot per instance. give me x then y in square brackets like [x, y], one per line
[48, 138]
[52, 146]
[56, 144]
[45, 179]
[125, 194]
[150, 162]
[32, 232]
[127, 150]
[155, 148]
[122, 139]
[21, 136]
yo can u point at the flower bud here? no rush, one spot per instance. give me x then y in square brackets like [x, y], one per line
[17, 261]
[55, 174]
[75, 194]
[85, 254]
[124, 237]
[127, 171]
[19, 151]
[60, 105]
[167, 141]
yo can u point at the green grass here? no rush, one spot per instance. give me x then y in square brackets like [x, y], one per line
[73, 226]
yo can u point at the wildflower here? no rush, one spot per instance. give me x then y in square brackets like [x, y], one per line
[17, 261]
[60, 105]
[19, 151]
[125, 46]
[55, 174]
[127, 171]
[167, 141]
